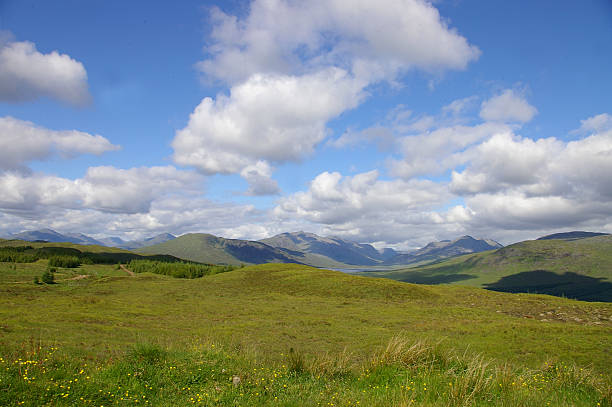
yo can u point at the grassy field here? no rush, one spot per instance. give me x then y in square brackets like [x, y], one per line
[293, 335]
[578, 269]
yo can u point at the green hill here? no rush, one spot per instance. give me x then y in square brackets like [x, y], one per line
[572, 235]
[207, 248]
[580, 269]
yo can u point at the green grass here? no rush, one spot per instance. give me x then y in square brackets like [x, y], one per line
[402, 374]
[351, 336]
[579, 268]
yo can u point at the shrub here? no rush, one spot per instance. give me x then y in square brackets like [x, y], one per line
[48, 278]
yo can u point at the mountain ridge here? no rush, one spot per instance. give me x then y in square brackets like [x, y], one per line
[336, 249]
[445, 249]
[53, 236]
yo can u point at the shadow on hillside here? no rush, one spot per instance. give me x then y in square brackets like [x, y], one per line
[423, 277]
[570, 285]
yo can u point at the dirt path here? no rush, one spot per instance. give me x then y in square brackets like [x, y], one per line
[130, 272]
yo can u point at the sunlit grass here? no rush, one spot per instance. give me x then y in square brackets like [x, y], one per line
[403, 374]
[458, 345]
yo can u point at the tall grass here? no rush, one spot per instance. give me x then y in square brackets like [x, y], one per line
[403, 374]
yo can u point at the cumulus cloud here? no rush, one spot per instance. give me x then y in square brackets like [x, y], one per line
[509, 106]
[292, 67]
[269, 117]
[439, 150]
[105, 189]
[259, 178]
[371, 39]
[504, 161]
[542, 167]
[26, 74]
[22, 142]
[516, 183]
[365, 207]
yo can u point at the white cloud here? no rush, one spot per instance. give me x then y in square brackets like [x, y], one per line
[22, 142]
[259, 178]
[514, 183]
[105, 189]
[365, 208]
[441, 149]
[382, 136]
[26, 74]
[509, 106]
[294, 66]
[457, 108]
[371, 39]
[504, 161]
[278, 118]
[600, 123]
[544, 167]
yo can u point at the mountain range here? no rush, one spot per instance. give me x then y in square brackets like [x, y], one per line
[310, 249]
[320, 251]
[445, 249]
[49, 235]
[297, 247]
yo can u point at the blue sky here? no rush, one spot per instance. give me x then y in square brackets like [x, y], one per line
[395, 122]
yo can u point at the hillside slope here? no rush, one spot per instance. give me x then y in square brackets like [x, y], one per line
[205, 248]
[580, 269]
[294, 336]
[572, 235]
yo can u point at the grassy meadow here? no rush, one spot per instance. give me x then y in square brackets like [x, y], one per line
[290, 335]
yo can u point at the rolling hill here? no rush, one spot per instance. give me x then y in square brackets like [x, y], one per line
[580, 268]
[205, 248]
[571, 235]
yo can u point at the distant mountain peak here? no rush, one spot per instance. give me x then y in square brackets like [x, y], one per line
[51, 235]
[444, 249]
